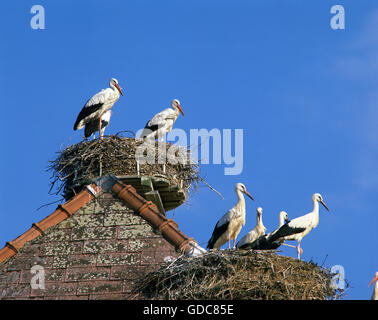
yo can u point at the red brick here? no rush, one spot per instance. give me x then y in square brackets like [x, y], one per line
[87, 273]
[110, 259]
[127, 272]
[10, 277]
[56, 289]
[67, 297]
[105, 246]
[15, 291]
[75, 260]
[96, 287]
[109, 296]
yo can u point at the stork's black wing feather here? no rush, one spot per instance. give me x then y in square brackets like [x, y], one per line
[148, 129]
[86, 111]
[92, 126]
[218, 231]
[152, 127]
[261, 243]
[284, 231]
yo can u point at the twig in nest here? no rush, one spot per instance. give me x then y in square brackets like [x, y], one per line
[211, 187]
[127, 131]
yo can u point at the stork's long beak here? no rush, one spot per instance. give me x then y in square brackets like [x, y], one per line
[247, 193]
[322, 202]
[119, 89]
[372, 281]
[181, 110]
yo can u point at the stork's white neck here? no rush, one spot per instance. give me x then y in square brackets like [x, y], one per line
[315, 213]
[240, 195]
[259, 222]
[258, 219]
[176, 110]
[113, 87]
[282, 220]
[241, 200]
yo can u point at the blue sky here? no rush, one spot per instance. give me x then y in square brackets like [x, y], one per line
[304, 94]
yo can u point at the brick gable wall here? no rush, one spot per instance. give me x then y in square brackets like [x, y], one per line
[98, 253]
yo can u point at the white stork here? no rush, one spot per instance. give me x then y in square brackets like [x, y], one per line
[95, 108]
[289, 231]
[162, 122]
[255, 233]
[374, 296]
[229, 226]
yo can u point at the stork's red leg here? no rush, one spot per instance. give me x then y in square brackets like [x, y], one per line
[99, 127]
[299, 250]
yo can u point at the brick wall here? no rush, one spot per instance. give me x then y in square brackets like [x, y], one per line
[98, 253]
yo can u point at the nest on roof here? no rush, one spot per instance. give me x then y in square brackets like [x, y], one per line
[80, 164]
[236, 274]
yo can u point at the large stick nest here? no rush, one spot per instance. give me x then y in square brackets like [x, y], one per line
[79, 164]
[236, 274]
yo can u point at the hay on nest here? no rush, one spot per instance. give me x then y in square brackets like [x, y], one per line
[79, 164]
[239, 275]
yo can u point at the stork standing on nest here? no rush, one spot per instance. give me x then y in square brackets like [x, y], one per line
[95, 108]
[255, 233]
[162, 123]
[229, 226]
[307, 222]
[374, 296]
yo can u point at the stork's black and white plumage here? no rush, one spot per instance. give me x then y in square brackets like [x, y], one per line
[229, 226]
[93, 126]
[255, 233]
[97, 106]
[374, 296]
[162, 123]
[289, 231]
[272, 240]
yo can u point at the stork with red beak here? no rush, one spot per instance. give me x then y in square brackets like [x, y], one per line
[162, 123]
[95, 108]
[374, 296]
[307, 222]
[229, 226]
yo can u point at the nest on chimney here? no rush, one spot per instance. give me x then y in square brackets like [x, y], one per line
[79, 164]
[238, 275]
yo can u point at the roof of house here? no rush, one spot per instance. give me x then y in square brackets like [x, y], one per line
[127, 193]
